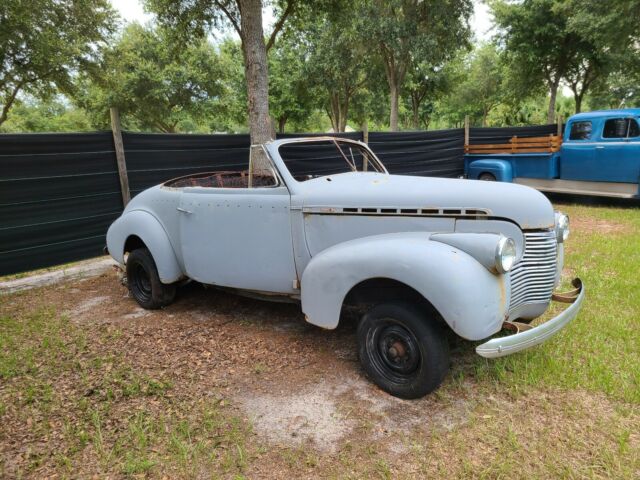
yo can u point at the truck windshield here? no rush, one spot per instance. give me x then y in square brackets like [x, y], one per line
[319, 158]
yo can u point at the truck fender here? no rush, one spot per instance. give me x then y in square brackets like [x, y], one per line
[501, 169]
[145, 226]
[473, 301]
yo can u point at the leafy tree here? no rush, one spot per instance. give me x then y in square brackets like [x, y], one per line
[43, 42]
[482, 90]
[51, 115]
[231, 112]
[539, 44]
[154, 86]
[620, 89]
[290, 96]
[612, 29]
[338, 65]
[424, 84]
[188, 18]
[402, 31]
[578, 42]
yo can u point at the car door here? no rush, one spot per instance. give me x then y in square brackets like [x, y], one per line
[238, 237]
[618, 150]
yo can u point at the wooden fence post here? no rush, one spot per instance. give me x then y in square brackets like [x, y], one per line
[365, 130]
[119, 146]
[466, 130]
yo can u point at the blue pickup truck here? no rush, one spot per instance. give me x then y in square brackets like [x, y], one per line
[598, 154]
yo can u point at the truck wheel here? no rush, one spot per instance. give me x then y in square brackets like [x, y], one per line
[402, 350]
[144, 283]
[487, 177]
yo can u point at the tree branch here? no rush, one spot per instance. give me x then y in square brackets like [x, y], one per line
[9, 102]
[231, 18]
[280, 24]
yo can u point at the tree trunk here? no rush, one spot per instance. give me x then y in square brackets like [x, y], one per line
[9, 102]
[553, 93]
[345, 110]
[578, 100]
[256, 72]
[334, 115]
[282, 121]
[415, 106]
[394, 95]
[365, 130]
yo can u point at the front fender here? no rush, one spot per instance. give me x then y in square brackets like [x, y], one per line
[501, 169]
[472, 301]
[145, 226]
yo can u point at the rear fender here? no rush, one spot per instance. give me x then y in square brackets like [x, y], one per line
[471, 300]
[145, 226]
[501, 169]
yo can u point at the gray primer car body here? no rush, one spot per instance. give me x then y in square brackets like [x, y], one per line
[316, 240]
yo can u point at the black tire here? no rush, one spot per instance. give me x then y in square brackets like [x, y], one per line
[487, 177]
[144, 283]
[402, 350]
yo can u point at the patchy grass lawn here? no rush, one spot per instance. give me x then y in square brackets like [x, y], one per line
[601, 350]
[221, 386]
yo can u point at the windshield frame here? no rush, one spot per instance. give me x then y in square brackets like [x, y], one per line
[374, 163]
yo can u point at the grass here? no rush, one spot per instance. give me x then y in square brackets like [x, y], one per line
[568, 409]
[600, 350]
[119, 419]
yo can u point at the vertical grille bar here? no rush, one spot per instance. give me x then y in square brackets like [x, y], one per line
[533, 277]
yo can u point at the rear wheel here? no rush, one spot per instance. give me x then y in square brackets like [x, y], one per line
[144, 283]
[402, 350]
[487, 177]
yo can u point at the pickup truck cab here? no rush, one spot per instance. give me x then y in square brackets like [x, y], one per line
[598, 154]
[321, 222]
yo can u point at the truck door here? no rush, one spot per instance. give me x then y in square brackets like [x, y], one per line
[577, 156]
[618, 150]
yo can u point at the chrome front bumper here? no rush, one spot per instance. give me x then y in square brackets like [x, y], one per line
[528, 336]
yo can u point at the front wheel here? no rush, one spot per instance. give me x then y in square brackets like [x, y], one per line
[487, 177]
[402, 350]
[144, 283]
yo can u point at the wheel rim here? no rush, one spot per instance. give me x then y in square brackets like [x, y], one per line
[141, 283]
[394, 351]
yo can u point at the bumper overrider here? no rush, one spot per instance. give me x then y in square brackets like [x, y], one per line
[527, 336]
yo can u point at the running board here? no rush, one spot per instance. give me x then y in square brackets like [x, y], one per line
[602, 189]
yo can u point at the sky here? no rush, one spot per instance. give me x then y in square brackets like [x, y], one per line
[131, 10]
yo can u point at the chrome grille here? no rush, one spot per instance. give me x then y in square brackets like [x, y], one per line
[533, 277]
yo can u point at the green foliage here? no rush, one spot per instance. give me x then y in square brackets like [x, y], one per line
[576, 42]
[409, 32]
[290, 95]
[155, 85]
[44, 42]
[337, 65]
[368, 63]
[48, 115]
[479, 86]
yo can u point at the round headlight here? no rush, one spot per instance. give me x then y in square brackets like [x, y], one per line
[505, 254]
[562, 227]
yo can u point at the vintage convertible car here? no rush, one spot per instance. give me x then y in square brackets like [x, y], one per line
[320, 221]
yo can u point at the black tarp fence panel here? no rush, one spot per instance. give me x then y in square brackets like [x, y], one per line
[488, 135]
[58, 195]
[437, 153]
[60, 192]
[153, 158]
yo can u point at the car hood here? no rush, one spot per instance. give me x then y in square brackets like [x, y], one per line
[523, 205]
